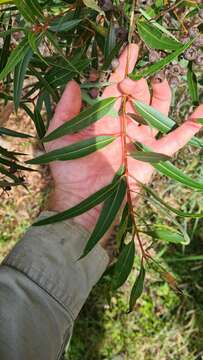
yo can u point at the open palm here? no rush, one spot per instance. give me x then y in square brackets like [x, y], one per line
[77, 179]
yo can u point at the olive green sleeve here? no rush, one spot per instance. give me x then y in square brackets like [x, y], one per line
[42, 289]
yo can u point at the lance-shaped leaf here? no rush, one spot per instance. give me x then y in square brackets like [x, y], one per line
[30, 9]
[74, 151]
[159, 65]
[167, 234]
[173, 172]
[192, 84]
[107, 216]
[34, 42]
[156, 24]
[7, 173]
[84, 206]
[149, 156]
[160, 121]
[155, 38]
[83, 120]
[19, 75]
[168, 169]
[137, 288]
[14, 166]
[15, 57]
[124, 264]
[9, 132]
[63, 24]
[169, 207]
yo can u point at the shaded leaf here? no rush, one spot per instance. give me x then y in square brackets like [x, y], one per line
[165, 205]
[8, 132]
[159, 65]
[62, 24]
[83, 120]
[124, 264]
[15, 57]
[137, 288]
[155, 38]
[108, 214]
[19, 75]
[192, 84]
[84, 206]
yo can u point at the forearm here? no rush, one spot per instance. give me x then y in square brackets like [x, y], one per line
[43, 288]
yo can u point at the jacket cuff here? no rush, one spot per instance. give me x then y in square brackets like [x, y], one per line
[49, 254]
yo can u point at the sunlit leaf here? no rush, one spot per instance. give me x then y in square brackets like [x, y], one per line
[74, 151]
[83, 120]
[137, 288]
[92, 4]
[149, 157]
[124, 264]
[156, 24]
[167, 234]
[155, 38]
[159, 65]
[174, 173]
[160, 121]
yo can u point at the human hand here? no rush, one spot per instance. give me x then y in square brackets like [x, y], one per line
[77, 179]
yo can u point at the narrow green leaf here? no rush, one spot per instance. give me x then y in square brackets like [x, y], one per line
[107, 215]
[15, 57]
[9, 132]
[37, 119]
[149, 157]
[19, 75]
[173, 172]
[7, 173]
[168, 169]
[14, 166]
[165, 205]
[160, 121]
[82, 207]
[137, 288]
[192, 84]
[159, 65]
[155, 38]
[30, 9]
[156, 24]
[62, 24]
[74, 151]
[83, 120]
[34, 42]
[110, 41]
[167, 234]
[92, 4]
[25, 10]
[124, 265]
